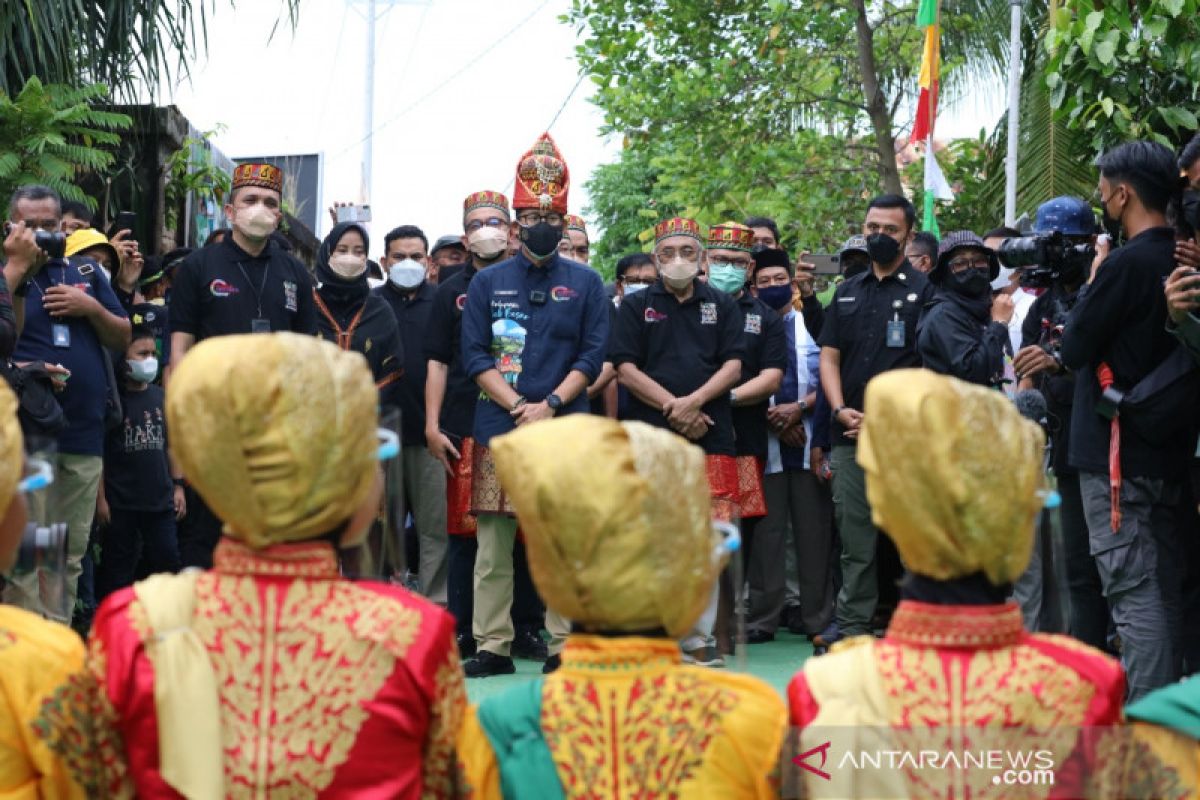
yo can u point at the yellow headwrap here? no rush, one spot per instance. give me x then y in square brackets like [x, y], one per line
[953, 473]
[276, 432]
[12, 447]
[617, 521]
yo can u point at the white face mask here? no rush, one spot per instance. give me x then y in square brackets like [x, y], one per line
[143, 371]
[680, 274]
[634, 288]
[488, 243]
[256, 222]
[348, 265]
[407, 274]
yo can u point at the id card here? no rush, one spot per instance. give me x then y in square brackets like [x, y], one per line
[895, 333]
[62, 334]
[260, 326]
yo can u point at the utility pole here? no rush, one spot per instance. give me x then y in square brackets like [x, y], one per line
[1014, 113]
[373, 14]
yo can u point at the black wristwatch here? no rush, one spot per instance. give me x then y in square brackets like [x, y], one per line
[554, 401]
[838, 410]
[179, 481]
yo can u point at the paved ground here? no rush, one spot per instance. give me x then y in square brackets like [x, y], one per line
[774, 662]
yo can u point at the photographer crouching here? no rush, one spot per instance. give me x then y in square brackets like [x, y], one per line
[1057, 259]
[1133, 421]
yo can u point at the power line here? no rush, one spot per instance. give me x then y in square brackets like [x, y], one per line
[454, 76]
[329, 83]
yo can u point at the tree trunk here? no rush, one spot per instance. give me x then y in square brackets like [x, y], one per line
[881, 119]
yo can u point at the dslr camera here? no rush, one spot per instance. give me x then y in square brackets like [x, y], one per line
[53, 244]
[1060, 249]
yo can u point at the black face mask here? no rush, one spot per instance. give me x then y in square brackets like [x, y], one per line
[542, 239]
[1191, 208]
[852, 268]
[970, 282]
[882, 248]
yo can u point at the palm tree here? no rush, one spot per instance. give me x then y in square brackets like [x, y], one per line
[122, 44]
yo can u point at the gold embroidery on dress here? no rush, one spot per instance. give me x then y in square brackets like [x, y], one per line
[1013, 699]
[644, 738]
[294, 665]
[449, 705]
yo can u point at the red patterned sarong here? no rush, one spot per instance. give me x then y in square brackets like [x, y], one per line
[459, 520]
[723, 483]
[751, 500]
[487, 497]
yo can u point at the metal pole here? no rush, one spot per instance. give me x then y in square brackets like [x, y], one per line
[1014, 114]
[369, 116]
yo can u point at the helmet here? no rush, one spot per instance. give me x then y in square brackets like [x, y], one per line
[1070, 216]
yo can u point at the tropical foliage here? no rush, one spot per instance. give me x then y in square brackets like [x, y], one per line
[53, 135]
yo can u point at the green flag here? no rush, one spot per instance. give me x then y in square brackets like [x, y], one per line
[927, 13]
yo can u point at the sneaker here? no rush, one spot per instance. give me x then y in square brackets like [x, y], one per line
[704, 657]
[552, 663]
[484, 664]
[528, 645]
[466, 645]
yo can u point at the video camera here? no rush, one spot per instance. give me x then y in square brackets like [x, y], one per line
[1043, 258]
[53, 244]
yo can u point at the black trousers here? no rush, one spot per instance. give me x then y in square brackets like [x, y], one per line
[460, 581]
[135, 543]
[199, 532]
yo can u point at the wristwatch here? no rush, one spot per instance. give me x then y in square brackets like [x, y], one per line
[554, 401]
[179, 481]
[838, 410]
[803, 406]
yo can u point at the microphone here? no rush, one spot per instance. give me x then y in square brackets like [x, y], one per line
[1032, 405]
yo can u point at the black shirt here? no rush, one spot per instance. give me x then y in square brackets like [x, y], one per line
[856, 323]
[412, 315]
[1043, 326]
[958, 337]
[374, 334]
[1120, 319]
[765, 343]
[680, 346]
[443, 343]
[221, 289]
[137, 475]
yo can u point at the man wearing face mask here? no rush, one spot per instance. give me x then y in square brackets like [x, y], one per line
[965, 332]
[410, 296]
[245, 283]
[870, 328]
[678, 348]
[534, 335]
[1132, 466]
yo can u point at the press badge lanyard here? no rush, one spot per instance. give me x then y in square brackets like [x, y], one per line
[895, 328]
[258, 324]
[60, 332]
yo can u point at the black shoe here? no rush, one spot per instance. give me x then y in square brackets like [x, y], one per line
[529, 645]
[466, 645]
[759, 637]
[552, 663]
[484, 664]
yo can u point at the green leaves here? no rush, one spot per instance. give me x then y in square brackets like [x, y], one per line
[51, 134]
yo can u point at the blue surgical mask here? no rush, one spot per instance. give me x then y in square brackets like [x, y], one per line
[777, 297]
[727, 278]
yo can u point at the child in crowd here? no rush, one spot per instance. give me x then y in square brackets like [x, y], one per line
[139, 500]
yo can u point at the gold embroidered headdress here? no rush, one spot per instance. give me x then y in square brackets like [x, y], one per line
[953, 474]
[276, 432]
[617, 521]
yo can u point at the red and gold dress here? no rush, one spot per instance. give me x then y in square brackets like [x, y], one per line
[327, 688]
[623, 718]
[975, 676]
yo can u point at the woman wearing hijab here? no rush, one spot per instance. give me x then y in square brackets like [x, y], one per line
[271, 675]
[350, 316]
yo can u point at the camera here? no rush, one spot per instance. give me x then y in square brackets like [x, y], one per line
[54, 244]
[1044, 258]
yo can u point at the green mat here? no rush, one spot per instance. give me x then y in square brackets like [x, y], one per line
[774, 662]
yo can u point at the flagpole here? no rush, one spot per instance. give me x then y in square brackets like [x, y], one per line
[1014, 115]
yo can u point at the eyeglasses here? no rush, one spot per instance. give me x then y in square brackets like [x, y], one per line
[961, 264]
[638, 282]
[579, 250]
[528, 218]
[686, 253]
[724, 261]
[491, 222]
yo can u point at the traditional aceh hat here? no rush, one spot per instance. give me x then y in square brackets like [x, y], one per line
[590, 496]
[277, 433]
[575, 222]
[268, 176]
[542, 178]
[485, 199]
[730, 236]
[953, 474]
[678, 226]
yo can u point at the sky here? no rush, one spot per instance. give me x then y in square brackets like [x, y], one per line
[462, 90]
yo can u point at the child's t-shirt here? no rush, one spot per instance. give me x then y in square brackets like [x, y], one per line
[137, 474]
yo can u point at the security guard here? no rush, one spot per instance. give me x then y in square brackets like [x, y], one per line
[870, 328]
